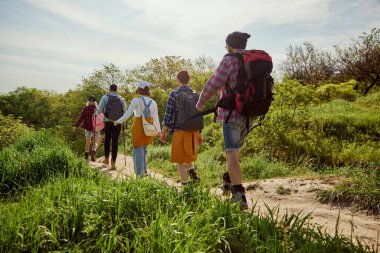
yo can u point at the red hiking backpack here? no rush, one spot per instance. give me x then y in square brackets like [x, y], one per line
[252, 95]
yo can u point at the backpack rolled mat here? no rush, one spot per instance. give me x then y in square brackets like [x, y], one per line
[114, 108]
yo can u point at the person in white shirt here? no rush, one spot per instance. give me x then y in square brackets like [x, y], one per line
[139, 140]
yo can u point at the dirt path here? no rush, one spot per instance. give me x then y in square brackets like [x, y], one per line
[301, 198]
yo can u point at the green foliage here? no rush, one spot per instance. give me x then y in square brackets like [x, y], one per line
[333, 91]
[148, 216]
[35, 107]
[34, 158]
[300, 126]
[360, 189]
[11, 129]
[257, 167]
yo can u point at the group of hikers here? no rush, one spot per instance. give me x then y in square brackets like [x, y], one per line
[186, 133]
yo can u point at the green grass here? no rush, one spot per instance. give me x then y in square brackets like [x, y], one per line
[360, 189]
[35, 158]
[210, 165]
[73, 209]
[144, 215]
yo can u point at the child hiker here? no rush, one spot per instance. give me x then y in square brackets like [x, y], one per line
[86, 120]
[143, 108]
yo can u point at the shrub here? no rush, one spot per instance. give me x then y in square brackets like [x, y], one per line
[345, 91]
[11, 129]
[35, 158]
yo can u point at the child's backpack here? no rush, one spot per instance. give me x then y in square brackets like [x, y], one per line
[186, 107]
[252, 95]
[149, 128]
[97, 122]
[114, 108]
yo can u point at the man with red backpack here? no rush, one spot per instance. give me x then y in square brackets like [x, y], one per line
[236, 81]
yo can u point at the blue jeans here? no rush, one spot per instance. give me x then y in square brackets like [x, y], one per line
[139, 160]
[234, 133]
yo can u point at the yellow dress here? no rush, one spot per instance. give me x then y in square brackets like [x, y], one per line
[184, 146]
[139, 138]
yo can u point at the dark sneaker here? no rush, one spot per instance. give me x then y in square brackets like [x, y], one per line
[86, 155]
[193, 175]
[93, 155]
[113, 165]
[240, 197]
[226, 184]
[186, 183]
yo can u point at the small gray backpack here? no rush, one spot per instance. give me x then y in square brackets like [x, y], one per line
[146, 109]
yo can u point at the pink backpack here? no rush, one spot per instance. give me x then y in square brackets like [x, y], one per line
[97, 122]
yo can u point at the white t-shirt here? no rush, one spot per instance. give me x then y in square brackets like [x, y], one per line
[136, 107]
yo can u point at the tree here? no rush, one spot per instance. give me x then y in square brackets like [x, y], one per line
[361, 60]
[308, 64]
[161, 72]
[32, 105]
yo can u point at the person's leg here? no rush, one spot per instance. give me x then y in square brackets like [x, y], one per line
[138, 158]
[145, 162]
[192, 172]
[107, 141]
[115, 141]
[182, 172]
[233, 167]
[95, 146]
[232, 180]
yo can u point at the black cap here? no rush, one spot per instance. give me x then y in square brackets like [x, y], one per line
[237, 40]
[91, 98]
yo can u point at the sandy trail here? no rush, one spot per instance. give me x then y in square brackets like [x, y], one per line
[302, 199]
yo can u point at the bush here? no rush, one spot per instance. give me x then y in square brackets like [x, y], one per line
[11, 129]
[35, 158]
[345, 91]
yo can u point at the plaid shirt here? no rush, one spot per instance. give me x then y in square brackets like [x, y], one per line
[226, 72]
[86, 118]
[171, 107]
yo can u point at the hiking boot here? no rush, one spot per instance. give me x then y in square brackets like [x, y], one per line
[226, 184]
[86, 155]
[238, 195]
[113, 165]
[193, 175]
[106, 161]
[93, 155]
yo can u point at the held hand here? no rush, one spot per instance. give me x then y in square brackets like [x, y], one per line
[163, 137]
[115, 123]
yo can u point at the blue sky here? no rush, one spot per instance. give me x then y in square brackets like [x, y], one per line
[53, 44]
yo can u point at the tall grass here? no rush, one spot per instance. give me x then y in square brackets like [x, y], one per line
[74, 210]
[36, 157]
[148, 216]
[360, 189]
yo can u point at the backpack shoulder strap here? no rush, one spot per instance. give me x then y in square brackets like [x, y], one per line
[142, 98]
